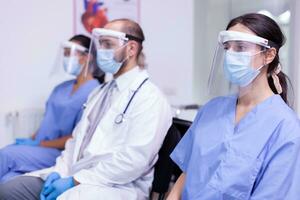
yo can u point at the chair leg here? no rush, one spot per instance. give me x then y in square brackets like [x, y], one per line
[161, 196]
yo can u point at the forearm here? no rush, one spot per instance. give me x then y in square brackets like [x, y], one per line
[176, 191]
[75, 182]
[58, 143]
[33, 136]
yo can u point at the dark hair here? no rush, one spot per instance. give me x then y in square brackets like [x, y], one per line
[132, 28]
[85, 41]
[267, 28]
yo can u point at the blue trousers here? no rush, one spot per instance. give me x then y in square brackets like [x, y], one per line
[19, 159]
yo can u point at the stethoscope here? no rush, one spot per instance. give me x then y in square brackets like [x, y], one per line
[120, 117]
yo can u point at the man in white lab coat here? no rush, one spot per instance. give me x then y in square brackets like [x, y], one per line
[115, 145]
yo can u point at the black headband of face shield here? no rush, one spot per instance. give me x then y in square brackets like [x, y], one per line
[273, 44]
[131, 37]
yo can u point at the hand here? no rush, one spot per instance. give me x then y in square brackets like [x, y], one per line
[50, 179]
[58, 187]
[27, 141]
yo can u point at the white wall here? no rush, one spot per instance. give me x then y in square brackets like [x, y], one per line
[207, 26]
[168, 27]
[32, 38]
[30, 34]
[31, 31]
[295, 51]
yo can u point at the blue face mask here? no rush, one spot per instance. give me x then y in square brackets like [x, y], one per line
[72, 65]
[106, 61]
[238, 69]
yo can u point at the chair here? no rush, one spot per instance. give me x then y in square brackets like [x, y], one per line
[182, 125]
[165, 167]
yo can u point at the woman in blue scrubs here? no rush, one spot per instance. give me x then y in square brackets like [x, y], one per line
[63, 111]
[245, 145]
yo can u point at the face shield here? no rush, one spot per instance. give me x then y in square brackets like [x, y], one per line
[71, 59]
[237, 62]
[108, 46]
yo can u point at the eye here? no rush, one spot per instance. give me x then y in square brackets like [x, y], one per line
[79, 53]
[241, 48]
[106, 44]
[67, 52]
[226, 46]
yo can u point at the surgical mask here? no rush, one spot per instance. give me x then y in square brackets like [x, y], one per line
[71, 65]
[106, 61]
[238, 69]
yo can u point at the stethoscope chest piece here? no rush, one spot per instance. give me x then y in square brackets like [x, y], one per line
[119, 118]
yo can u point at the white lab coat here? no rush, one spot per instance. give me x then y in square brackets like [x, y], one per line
[118, 162]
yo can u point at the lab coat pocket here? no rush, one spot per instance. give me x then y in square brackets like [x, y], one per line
[236, 175]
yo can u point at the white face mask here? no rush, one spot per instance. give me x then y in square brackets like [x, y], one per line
[107, 62]
[238, 69]
[71, 65]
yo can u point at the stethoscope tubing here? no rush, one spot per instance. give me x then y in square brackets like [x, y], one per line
[120, 117]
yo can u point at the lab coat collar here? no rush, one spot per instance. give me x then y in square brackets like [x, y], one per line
[128, 79]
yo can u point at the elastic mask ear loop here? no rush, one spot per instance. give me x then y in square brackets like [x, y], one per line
[119, 49]
[258, 69]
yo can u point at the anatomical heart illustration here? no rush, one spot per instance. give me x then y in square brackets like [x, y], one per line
[90, 14]
[94, 15]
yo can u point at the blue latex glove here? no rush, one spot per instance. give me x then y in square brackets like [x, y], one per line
[50, 179]
[58, 187]
[27, 141]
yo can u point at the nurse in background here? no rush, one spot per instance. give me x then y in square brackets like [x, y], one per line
[246, 145]
[62, 113]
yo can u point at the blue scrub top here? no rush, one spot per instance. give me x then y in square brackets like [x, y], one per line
[259, 158]
[64, 110]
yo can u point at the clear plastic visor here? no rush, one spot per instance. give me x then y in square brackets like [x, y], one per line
[106, 42]
[70, 57]
[235, 65]
[108, 39]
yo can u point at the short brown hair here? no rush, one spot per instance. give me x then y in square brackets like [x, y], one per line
[130, 27]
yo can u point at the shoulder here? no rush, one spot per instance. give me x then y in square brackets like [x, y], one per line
[64, 84]
[151, 87]
[149, 96]
[218, 103]
[221, 100]
[284, 112]
[151, 91]
[287, 134]
[148, 89]
[61, 87]
[215, 107]
[93, 83]
[289, 126]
